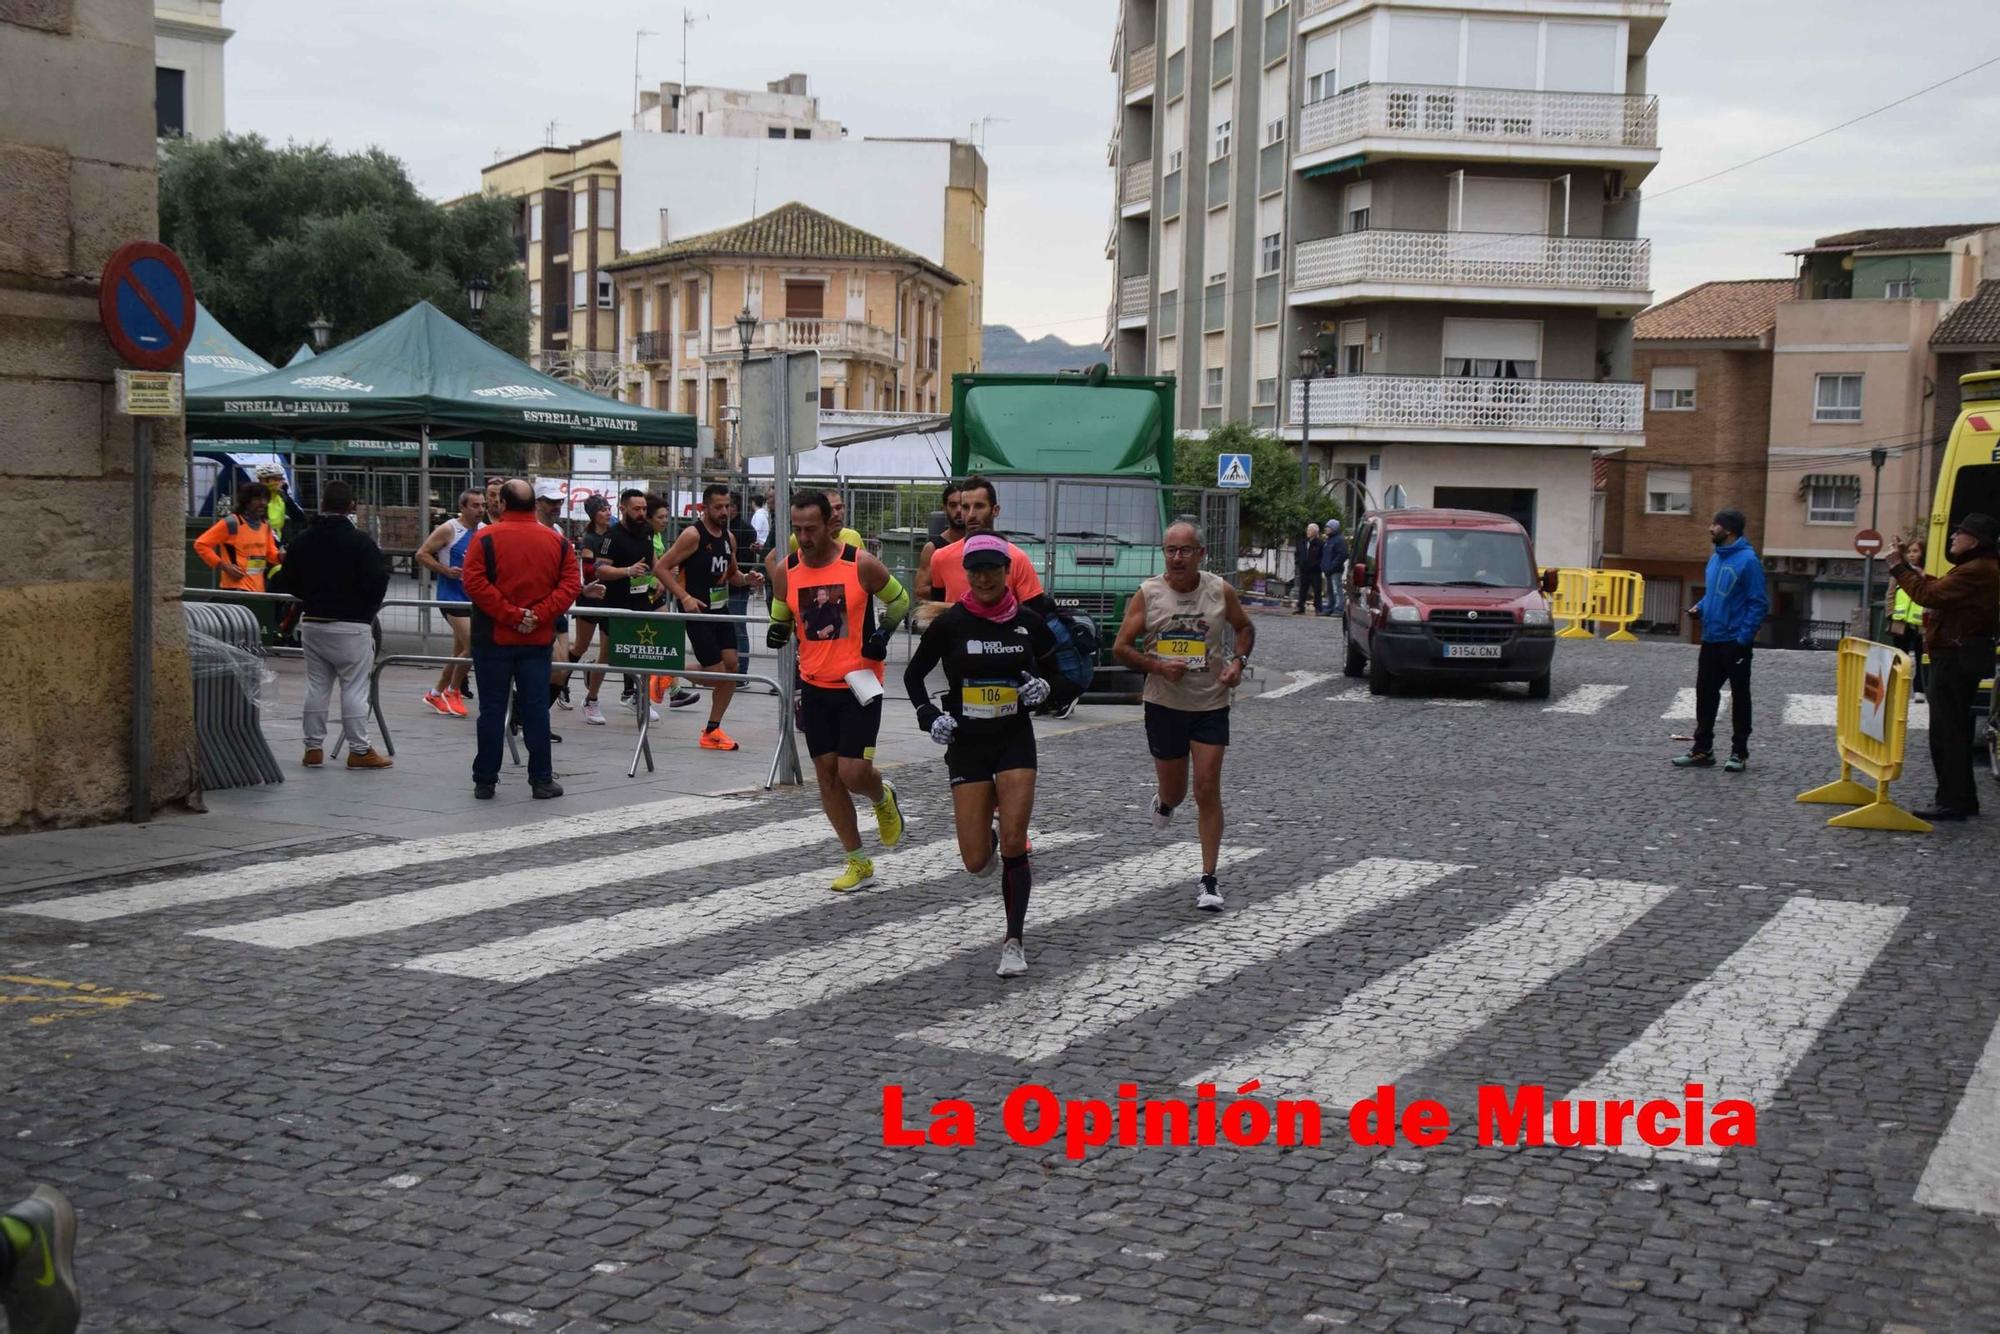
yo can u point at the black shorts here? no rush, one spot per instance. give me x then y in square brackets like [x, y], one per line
[1170, 732]
[706, 640]
[836, 722]
[977, 761]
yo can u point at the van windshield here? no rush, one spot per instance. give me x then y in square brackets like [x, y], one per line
[1462, 557]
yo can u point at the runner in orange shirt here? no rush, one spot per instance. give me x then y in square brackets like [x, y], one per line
[240, 547]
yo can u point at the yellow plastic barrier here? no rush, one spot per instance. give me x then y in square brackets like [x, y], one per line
[1571, 602]
[1598, 595]
[1881, 760]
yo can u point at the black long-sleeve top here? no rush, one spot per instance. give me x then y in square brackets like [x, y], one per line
[984, 663]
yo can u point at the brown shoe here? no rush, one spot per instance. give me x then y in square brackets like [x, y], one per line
[315, 757]
[369, 759]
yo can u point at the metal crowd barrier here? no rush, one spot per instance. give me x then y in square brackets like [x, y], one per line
[224, 653]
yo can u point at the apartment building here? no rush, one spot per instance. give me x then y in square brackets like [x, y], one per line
[565, 232]
[784, 110]
[1705, 358]
[188, 41]
[1856, 372]
[873, 310]
[1439, 202]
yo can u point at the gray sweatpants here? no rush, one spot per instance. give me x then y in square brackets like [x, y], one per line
[343, 650]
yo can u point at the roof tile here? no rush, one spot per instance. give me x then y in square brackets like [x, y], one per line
[791, 231]
[1974, 320]
[1746, 308]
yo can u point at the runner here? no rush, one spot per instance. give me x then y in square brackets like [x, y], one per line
[594, 543]
[669, 688]
[1174, 632]
[838, 504]
[954, 531]
[979, 512]
[699, 570]
[827, 588]
[550, 497]
[625, 568]
[443, 554]
[992, 649]
[240, 547]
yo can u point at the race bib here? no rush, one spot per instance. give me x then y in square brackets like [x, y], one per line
[718, 598]
[255, 565]
[989, 699]
[1190, 649]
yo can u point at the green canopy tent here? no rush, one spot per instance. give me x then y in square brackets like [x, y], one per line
[217, 358]
[377, 449]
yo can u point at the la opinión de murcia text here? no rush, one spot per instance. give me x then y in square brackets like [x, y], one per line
[1524, 1115]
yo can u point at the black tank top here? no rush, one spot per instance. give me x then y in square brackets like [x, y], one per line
[706, 573]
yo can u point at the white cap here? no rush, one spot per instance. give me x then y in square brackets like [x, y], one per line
[548, 488]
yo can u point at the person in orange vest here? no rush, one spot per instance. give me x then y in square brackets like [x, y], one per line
[241, 547]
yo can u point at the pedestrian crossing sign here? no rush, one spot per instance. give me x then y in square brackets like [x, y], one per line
[1233, 470]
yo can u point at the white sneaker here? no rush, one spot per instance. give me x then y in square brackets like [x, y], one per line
[1207, 897]
[652, 714]
[562, 702]
[1013, 959]
[592, 714]
[1161, 814]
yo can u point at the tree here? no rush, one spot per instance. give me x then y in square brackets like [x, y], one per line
[274, 237]
[1275, 511]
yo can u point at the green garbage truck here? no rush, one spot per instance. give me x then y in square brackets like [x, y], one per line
[1084, 466]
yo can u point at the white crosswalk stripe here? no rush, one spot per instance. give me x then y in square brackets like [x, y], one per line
[1586, 699]
[597, 940]
[1354, 695]
[897, 949]
[1406, 1019]
[1740, 1031]
[1299, 681]
[270, 877]
[1820, 711]
[417, 907]
[1964, 1170]
[1076, 1006]
[1682, 709]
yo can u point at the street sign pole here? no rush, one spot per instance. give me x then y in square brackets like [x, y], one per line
[1877, 457]
[142, 620]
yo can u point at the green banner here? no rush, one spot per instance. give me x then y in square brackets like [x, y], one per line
[656, 645]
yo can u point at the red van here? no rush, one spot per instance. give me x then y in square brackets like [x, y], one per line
[1446, 595]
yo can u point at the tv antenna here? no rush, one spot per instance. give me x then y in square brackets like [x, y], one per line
[687, 21]
[979, 129]
[638, 39]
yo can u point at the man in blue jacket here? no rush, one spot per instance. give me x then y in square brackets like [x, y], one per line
[1731, 609]
[1332, 563]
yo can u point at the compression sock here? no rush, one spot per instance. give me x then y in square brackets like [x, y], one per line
[1016, 879]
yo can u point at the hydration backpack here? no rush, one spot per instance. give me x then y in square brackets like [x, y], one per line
[1076, 649]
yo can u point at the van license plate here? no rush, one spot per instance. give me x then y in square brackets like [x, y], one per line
[1472, 650]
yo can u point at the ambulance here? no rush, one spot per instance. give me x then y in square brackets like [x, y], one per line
[1969, 483]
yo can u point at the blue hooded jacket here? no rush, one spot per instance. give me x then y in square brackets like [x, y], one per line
[1333, 555]
[1734, 604]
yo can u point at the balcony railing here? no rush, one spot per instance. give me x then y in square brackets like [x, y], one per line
[655, 346]
[1138, 184]
[1134, 295]
[1475, 259]
[1480, 115]
[1140, 69]
[851, 336]
[1465, 404]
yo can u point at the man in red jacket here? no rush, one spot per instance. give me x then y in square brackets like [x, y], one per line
[520, 576]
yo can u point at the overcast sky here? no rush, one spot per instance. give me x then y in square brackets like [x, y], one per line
[450, 85]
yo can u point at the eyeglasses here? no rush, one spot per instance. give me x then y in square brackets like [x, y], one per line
[1182, 551]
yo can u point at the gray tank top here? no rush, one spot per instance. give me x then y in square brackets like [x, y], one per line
[1187, 627]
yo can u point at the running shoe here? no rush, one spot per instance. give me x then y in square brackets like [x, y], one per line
[456, 702]
[1162, 813]
[656, 688]
[592, 714]
[1736, 764]
[858, 872]
[1013, 959]
[714, 738]
[1065, 711]
[1207, 897]
[652, 714]
[39, 1290]
[562, 700]
[438, 703]
[888, 816]
[683, 697]
[1695, 759]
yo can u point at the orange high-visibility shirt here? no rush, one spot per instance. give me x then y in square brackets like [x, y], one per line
[249, 546]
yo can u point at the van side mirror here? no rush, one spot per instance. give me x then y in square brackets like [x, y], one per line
[1551, 579]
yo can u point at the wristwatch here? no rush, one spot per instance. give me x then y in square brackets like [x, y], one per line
[1243, 658]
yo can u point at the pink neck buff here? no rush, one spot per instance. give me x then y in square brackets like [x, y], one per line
[1008, 604]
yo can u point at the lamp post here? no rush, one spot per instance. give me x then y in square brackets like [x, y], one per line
[1877, 457]
[1308, 368]
[746, 333]
[475, 301]
[321, 329]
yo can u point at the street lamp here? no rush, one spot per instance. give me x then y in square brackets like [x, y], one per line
[475, 300]
[746, 331]
[1308, 368]
[321, 329]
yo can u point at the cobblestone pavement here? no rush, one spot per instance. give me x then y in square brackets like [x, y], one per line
[635, 1079]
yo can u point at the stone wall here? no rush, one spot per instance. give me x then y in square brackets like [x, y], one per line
[78, 179]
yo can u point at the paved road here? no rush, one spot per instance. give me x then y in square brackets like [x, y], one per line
[628, 1073]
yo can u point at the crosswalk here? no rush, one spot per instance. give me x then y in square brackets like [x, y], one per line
[748, 887]
[1595, 698]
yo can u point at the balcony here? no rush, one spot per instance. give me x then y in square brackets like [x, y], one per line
[655, 346]
[1134, 297]
[1486, 124]
[1472, 266]
[837, 337]
[1141, 69]
[1440, 409]
[1135, 192]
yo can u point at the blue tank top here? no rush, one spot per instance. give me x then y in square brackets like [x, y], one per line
[451, 590]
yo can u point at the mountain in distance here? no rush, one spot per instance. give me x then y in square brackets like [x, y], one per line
[1007, 350]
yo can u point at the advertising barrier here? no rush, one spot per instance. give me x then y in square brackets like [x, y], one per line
[1871, 726]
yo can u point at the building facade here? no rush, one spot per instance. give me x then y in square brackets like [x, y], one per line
[188, 40]
[873, 310]
[565, 232]
[1440, 202]
[784, 110]
[1705, 358]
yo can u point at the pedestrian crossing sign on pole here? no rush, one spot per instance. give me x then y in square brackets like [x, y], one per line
[1233, 470]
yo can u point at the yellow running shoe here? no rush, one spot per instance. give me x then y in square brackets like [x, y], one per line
[860, 871]
[888, 816]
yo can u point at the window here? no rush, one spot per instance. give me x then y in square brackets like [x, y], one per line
[1902, 287]
[607, 207]
[1176, 160]
[1273, 6]
[1360, 202]
[1270, 233]
[582, 289]
[604, 297]
[1837, 398]
[1673, 389]
[1221, 141]
[1669, 491]
[1215, 246]
[1492, 349]
[1322, 54]
[1211, 387]
[1353, 347]
[826, 402]
[1219, 109]
[1832, 500]
[1271, 253]
[775, 132]
[1274, 131]
[535, 297]
[169, 102]
[534, 223]
[802, 134]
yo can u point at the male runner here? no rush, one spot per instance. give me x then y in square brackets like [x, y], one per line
[954, 531]
[842, 533]
[1174, 632]
[979, 512]
[699, 570]
[828, 588]
[626, 570]
[596, 539]
[443, 554]
[241, 547]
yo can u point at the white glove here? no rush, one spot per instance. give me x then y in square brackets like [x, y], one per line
[1034, 691]
[944, 729]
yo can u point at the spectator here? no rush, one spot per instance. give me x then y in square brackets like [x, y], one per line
[1964, 608]
[1731, 608]
[1332, 568]
[282, 505]
[521, 577]
[340, 577]
[241, 547]
[1305, 561]
[1906, 621]
[760, 520]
